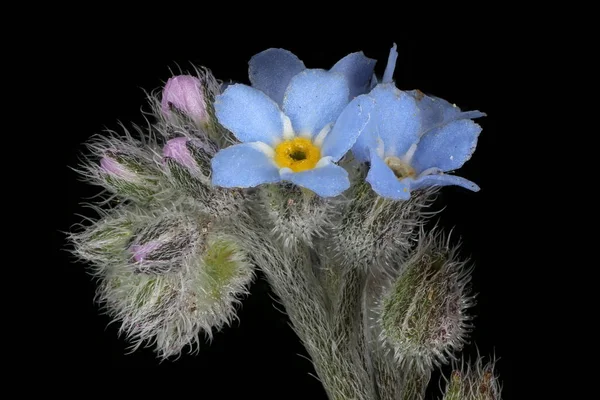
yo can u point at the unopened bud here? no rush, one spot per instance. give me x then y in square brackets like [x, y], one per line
[104, 242]
[164, 245]
[185, 93]
[473, 382]
[423, 313]
[297, 214]
[174, 310]
[128, 175]
[177, 150]
[117, 170]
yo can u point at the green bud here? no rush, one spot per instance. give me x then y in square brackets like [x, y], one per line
[104, 241]
[195, 296]
[129, 176]
[374, 231]
[423, 313]
[297, 215]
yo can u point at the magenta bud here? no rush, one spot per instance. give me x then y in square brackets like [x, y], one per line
[114, 168]
[185, 93]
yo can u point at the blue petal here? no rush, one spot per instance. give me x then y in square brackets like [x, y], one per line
[327, 181]
[436, 111]
[388, 75]
[358, 70]
[384, 182]
[243, 165]
[448, 147]
[395, 119]
[442, 180]
[250, 114]
[271, 71]
[374, 82]
[349, 125]
[314, 99]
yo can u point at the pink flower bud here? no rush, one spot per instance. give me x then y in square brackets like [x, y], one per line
[113, 168]
[140, 252]
[185, 93]
[178, 151]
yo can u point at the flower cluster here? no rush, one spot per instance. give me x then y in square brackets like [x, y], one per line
[179, 238]
[295, 123]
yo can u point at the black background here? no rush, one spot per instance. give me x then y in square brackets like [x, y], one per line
[101, 71]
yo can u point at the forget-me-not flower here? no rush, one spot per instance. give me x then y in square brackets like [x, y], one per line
[297, 139]
[412, 140]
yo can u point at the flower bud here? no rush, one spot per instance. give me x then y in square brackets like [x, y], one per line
[423, 312]
[297, 214]
[141, 251]
[177, 150]
[473, 382]
[185, 93]
[375, 231]
[113, 168]
[104, 242]
[164, 245]
[174, 310]
[129, 175]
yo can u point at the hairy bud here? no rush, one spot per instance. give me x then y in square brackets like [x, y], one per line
[296, 215]
[177, 150]
[188, 172]
[128, 175]
[473, 382]
[374, 231]
[104, 241]
[170, 310]
[187, 105]
[423, 312]
[185, 93]
[193, 155]
[164, 245]
[113, 168]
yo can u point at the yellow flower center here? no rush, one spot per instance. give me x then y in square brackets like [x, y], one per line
[298, 154]
[401, 169]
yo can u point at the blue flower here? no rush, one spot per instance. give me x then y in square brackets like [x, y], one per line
[412, 140]
[271, 71]
[297, 139]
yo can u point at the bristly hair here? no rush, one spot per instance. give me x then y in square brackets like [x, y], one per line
[423, 311]
[297, 216]
[374, 232]
[473, 381]
[189, 283]
[195, 273]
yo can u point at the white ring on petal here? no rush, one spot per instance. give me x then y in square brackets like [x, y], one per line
[407, 158]
[285, 170]
[263, 148]
[320, 138]
[288, 129]
[323, 162]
